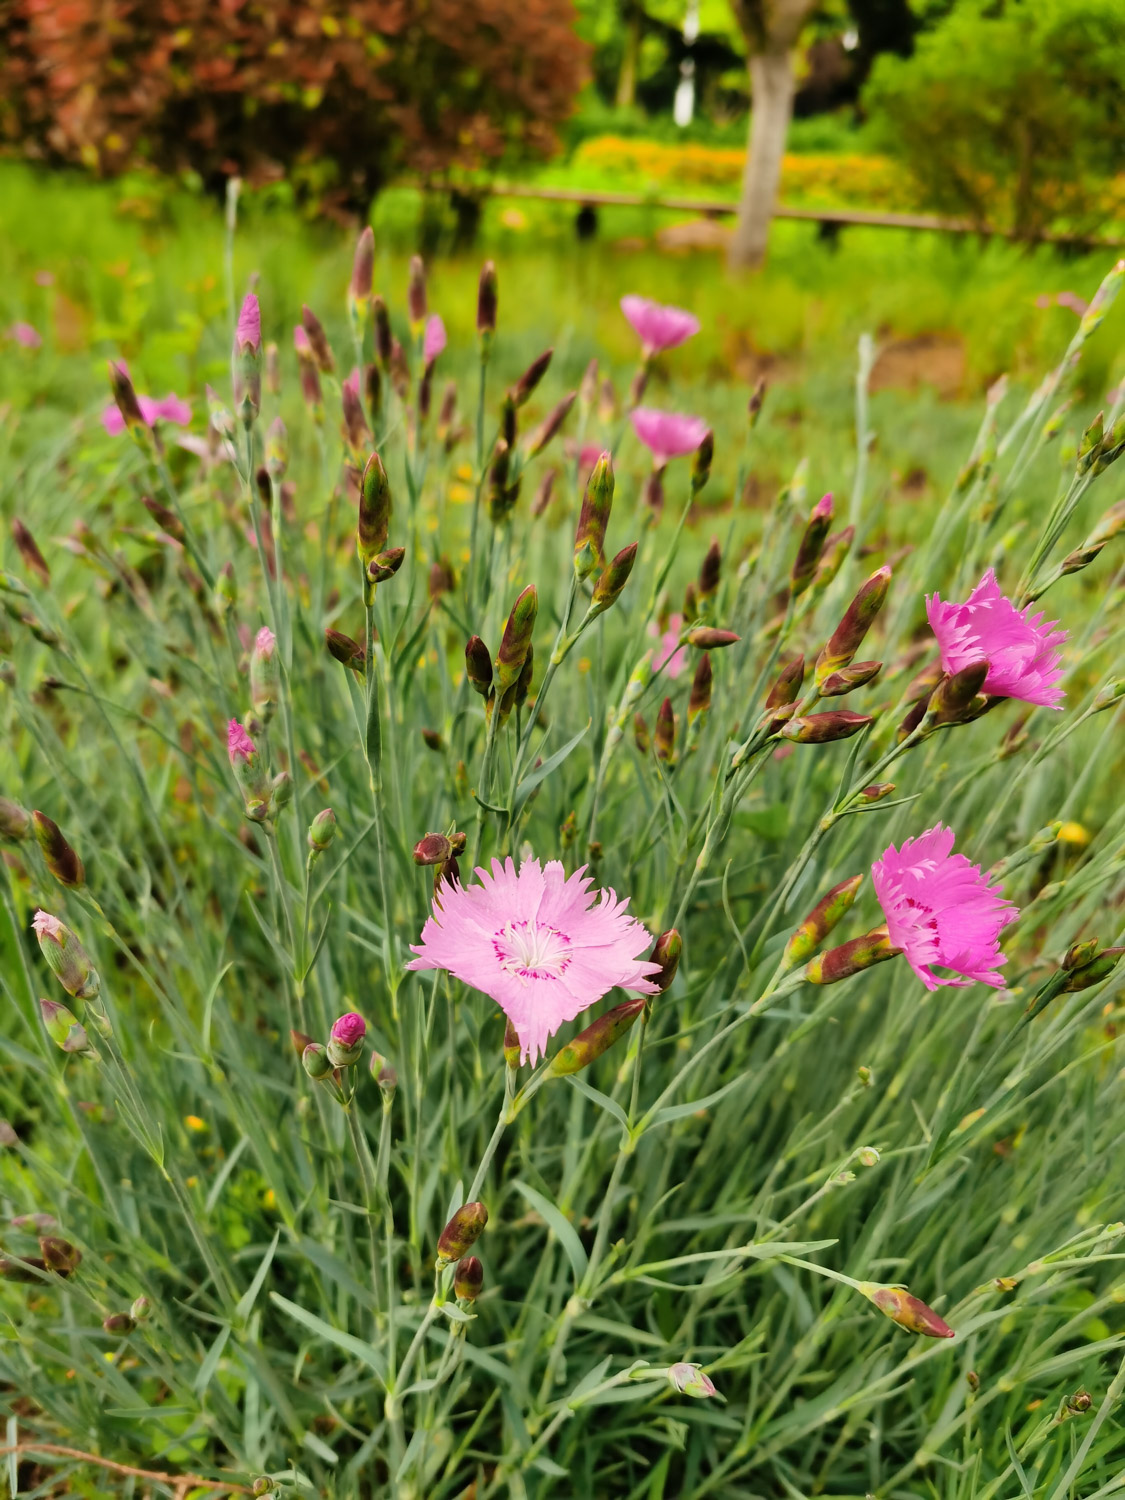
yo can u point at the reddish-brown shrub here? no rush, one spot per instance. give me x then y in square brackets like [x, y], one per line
[337, 94]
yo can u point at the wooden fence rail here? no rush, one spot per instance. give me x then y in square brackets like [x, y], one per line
[713, 208]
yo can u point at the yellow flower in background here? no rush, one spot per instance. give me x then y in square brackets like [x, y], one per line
[194, 1123]
[1074, 833]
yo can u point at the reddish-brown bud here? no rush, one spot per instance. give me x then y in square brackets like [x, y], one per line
[531, 377]
[597, 1038]
[821, 729]
[848, 636]
[710, 571]
[468, 1279]
[707, 638]
[664, 739]
[908, 1312]
[811, 546]
[347, 652]
[28, 549]
[787, 688]
[516, 639]
[851, 958]
[318, 341]
[669, 946]
[433, 849]
[955, 696]
[478, 666]
[699, 699]
[859, 674]
[60, 859]
[461, 1233]
[820, 921]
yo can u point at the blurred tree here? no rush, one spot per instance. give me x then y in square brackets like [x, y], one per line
[1011, 111]
[771, 29]
[335, 94]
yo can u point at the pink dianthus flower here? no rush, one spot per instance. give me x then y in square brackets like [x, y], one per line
[538, 943]
[667, 434]
[657, 326]
[669, 655]
[940, 909]
[1022, 652]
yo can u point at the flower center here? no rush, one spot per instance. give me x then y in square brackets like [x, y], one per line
[532, 950]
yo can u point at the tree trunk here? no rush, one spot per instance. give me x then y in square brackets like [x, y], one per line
[771, 108]
[627, 77]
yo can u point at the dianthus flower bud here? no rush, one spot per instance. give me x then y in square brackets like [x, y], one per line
[129, 407]
[64, 1027]
[264, 486]
[859, 674]
[1103, 533]
[15, 821]
[710, 571]
[907, 1311]
[756, 402]
[786, 689]
[433, 741]
[512, 1047]
[60, 859]
[550, 425]
[66, 957]
[954, 697]
[851, 958]
[848, 636]
[836, 549]
[281, 792]
[28, 549]
[701, 461]
[300, 1041]
[59, 1255]
[468, 1279]
[416, 292]
[374, 519]
[487, 299]
[690, 1380]
[141, 1310]
[448, 873]
[691, 602]
[359, 287]
[434, 849]
[516, 639]
[246, 361]
[597, 503]
[386, 565]
[461, 1233]
[1079, 953]
[318, 341]
[277, 448]
[442, 579]
[1099, 968]
[811, 546]
[875, 792]
[265, 675]
[478, 666]
[821, 729]
[612, 579]
[322, 830]
[707, 638]
[345, 650]
[119, 1324]
[248, 772]
[310, 379]
[597, 1038]
[664, 737]
[345, 1041]
[666, 952]
[699, 699]
[357, 434]
[521, 391]
[384, 341]
[1090, 444]
[314, 1060]
[820, 921]
[642, 736]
